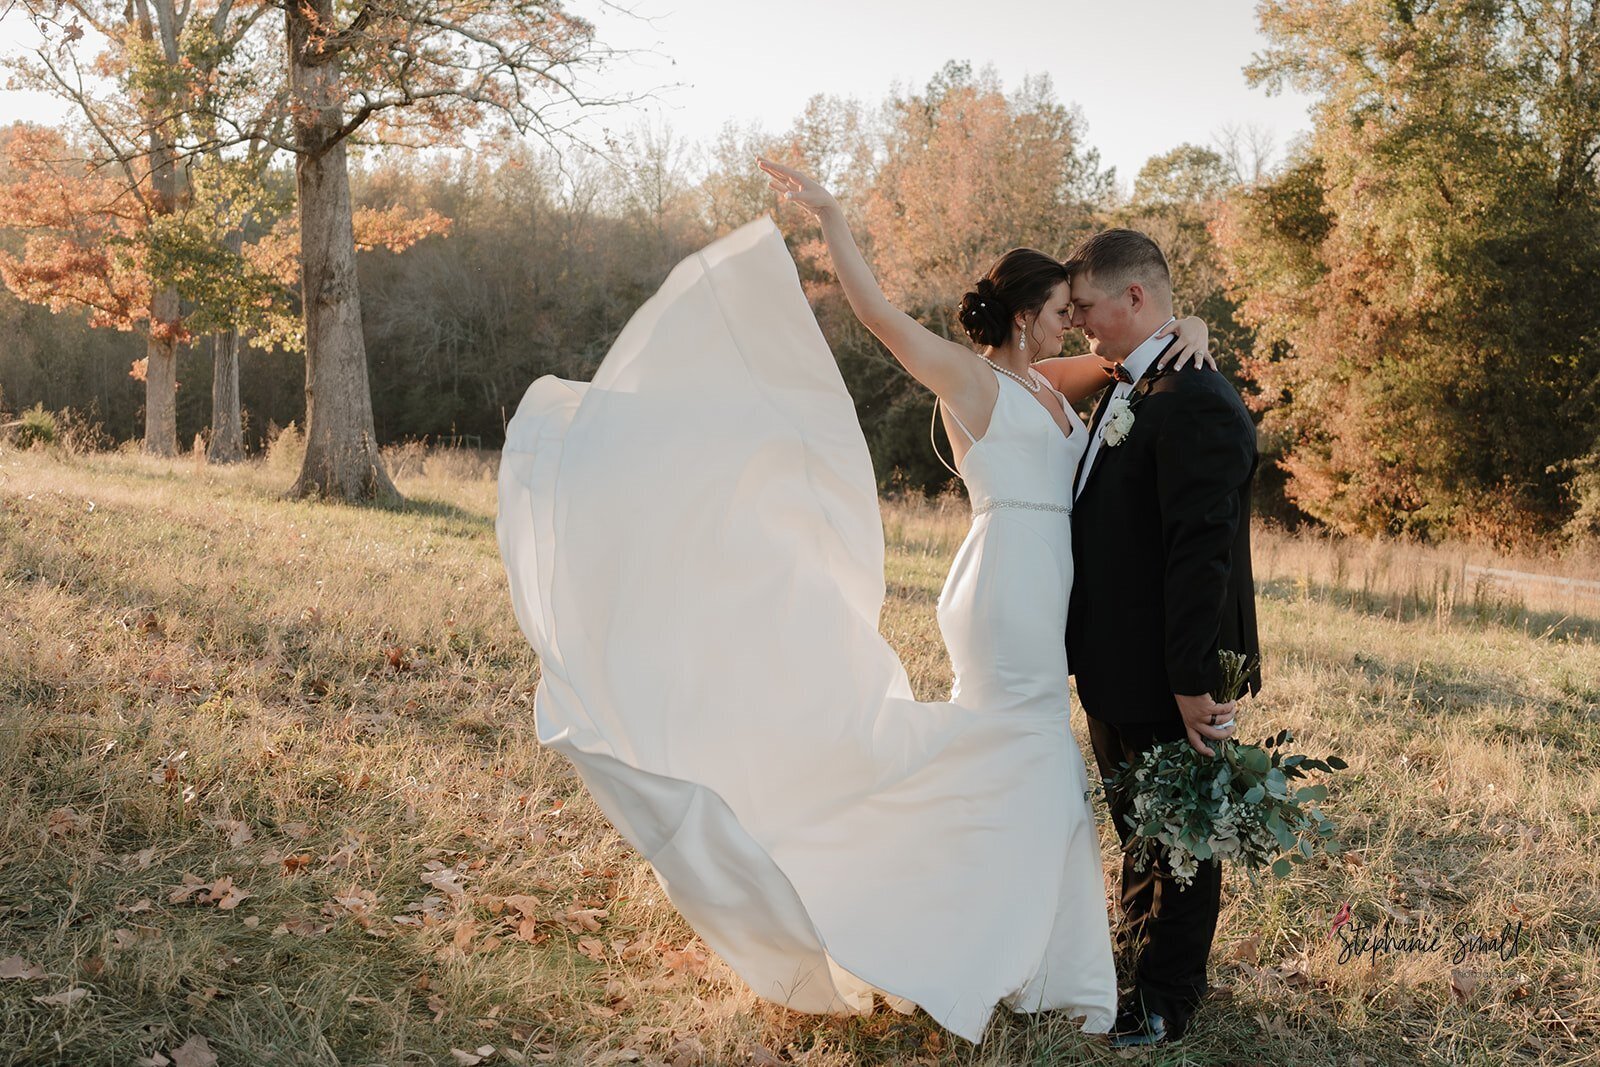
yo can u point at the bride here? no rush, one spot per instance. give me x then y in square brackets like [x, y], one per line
[695, 550]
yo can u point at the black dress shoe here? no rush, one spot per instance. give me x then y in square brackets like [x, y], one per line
[1130, 1017]
[1151, 1030]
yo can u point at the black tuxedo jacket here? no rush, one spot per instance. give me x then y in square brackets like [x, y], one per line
[1161, 550]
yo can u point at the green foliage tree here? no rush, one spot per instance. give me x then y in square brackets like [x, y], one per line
[1176, 198]
[1425, 280]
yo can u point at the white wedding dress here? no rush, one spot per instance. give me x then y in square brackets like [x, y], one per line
[695, 550]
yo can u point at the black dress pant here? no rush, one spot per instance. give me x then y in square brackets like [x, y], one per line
[1165, 929]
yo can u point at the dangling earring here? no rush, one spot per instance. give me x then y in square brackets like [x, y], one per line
[1022, 338]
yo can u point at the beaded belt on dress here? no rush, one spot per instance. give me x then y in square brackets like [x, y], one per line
[1029, 504]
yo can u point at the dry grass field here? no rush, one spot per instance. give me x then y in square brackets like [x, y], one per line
[269, 793]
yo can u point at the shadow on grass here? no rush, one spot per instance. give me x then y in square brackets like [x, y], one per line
[1438, 686]
[120, 596]
[1428, 688]
[1483, 610]
[457, 520]
[289, 999]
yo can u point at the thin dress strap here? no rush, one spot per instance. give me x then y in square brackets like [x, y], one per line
[934, 441]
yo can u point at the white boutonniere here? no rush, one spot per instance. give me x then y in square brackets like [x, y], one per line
[1119, 421]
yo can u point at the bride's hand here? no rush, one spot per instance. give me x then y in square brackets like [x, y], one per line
[797, 188]
[1192, 346]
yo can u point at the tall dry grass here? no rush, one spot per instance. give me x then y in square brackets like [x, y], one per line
[268, 777]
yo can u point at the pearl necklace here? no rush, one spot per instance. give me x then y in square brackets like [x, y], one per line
[1027, 383]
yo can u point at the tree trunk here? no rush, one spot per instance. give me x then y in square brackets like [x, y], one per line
[342, 458]
[161, 368]
[161, 379]
[227, 430]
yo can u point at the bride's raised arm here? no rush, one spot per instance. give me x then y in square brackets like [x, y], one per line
[942, 365]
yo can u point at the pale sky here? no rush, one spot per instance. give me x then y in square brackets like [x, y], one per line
[1148, 75]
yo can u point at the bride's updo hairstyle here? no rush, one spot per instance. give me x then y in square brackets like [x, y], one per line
[1021, 280]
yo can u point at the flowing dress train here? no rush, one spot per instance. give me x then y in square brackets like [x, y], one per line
[695, 550]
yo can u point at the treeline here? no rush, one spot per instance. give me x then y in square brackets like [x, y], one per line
[1424, 276]
[543, 268]
[546, 258]
[1408, 298]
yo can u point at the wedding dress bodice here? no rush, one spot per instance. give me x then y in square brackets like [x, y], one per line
[1023, 456]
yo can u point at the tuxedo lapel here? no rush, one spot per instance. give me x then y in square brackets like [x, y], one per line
[1094, 426]
[1099, 457]
[1145, 380]
[1100, 408]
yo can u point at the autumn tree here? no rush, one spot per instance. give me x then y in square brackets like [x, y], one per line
[234, 252]
[88, 245]
[238, 195]
[408, 73]
[1175, 197]
[656, 192]
[731, 191]
[146, 81]
[1424, 279]
[132, 72]
[457, 328]
[81, 247]
[966, 171]
[937, 183]
[970, 171]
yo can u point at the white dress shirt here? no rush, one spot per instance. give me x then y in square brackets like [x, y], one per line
[1136, 364]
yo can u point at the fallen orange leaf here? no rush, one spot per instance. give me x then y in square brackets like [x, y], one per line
[528, 906]
[17, 967]
[585, 919]
[191, 885]
[195, 1052]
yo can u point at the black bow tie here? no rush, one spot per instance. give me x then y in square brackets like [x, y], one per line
[1116, 372]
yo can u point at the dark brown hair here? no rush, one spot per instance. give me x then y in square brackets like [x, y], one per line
[1020, 280]
[1115, 259]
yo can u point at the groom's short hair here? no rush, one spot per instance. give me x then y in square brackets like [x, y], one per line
[1116, 259]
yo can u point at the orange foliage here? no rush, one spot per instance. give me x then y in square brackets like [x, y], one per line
[396, 228]
[277, 254]
[79, 249]
[967, 174]
[139, 369]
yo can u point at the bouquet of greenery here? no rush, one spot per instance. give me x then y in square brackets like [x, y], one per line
[1237, 803]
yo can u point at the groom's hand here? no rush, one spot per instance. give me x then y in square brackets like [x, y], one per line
[1199, 712]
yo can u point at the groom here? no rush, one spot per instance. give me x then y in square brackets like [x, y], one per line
[1161, 555]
